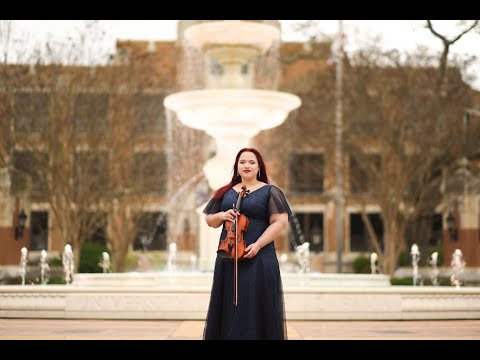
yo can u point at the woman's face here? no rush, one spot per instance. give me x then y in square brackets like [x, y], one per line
[248, 165]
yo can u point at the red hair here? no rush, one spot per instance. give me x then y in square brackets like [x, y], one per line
[236, 178]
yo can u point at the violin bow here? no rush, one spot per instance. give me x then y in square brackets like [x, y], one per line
[243, 193]
[235, 270]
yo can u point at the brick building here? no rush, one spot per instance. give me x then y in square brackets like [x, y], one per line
[158, 160]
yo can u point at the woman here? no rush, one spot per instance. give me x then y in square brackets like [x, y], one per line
[259, 312]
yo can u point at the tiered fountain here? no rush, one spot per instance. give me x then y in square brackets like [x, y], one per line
[229, 106]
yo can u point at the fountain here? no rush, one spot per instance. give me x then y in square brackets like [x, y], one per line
[146, 237]
[228, 106]
[23, 263]
[44, 267]
[68, 264]
[193, 262]
[228, 89]
[373, 263]
[302, 253]
[105, 263]
[228, 78]
[415, 253]
[435, 271]
[458, 265]
[172, 258]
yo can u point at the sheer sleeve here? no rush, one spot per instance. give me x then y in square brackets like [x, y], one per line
[213, 206]
[278, 202]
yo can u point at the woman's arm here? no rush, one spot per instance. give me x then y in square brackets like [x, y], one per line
[216, 220]
[278, 222]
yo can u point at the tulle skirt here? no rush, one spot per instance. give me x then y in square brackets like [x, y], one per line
[260, 311]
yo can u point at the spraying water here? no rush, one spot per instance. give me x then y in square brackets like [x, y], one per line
[44, 267]
[415, 254]
[374, 263]
[458, 265]
[435, 271]
[23, 263]
[105, 263]
[68, 263]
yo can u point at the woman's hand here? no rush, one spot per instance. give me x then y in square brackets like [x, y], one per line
[228, 215]
[252, 250]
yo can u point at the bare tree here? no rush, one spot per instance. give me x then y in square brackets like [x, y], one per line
[393, 113]
[397, 130]
[447, 43]
[70, 130]
[5, 39]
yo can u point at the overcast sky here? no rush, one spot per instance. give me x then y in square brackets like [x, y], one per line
[399, 34]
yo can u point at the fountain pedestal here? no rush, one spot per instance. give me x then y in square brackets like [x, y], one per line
[208, 243]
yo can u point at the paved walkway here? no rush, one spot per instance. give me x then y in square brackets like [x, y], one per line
[51, 329]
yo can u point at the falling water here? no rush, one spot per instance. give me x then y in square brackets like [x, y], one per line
[194, 64]
[300, 246]
[186, 149]
[296, 232]
[302, 253]
[172, 204]
[191, 61]
[267, 74]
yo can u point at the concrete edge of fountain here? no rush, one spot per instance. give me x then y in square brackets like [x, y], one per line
[191, 303]
[204, 279]
[185, 296]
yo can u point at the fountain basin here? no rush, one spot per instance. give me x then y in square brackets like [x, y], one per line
[232, 32]
[204, 280]
[191, 302]
[226, 112]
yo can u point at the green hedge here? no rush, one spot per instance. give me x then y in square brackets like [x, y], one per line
[361, 265]
[90, 258]
[426, 282]
[56, 261]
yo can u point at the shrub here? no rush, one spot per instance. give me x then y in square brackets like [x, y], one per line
[401, 281]
[439, 250]
[90, 257]
[361, 265]
[56, 281]
[403, 259]
[56, 261]
[426, 281]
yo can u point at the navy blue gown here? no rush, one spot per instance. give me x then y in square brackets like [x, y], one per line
[260, 311]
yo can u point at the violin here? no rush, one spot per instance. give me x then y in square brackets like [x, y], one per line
[233, 246]
[234, 242]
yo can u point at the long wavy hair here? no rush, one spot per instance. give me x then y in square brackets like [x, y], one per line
[236, 178]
